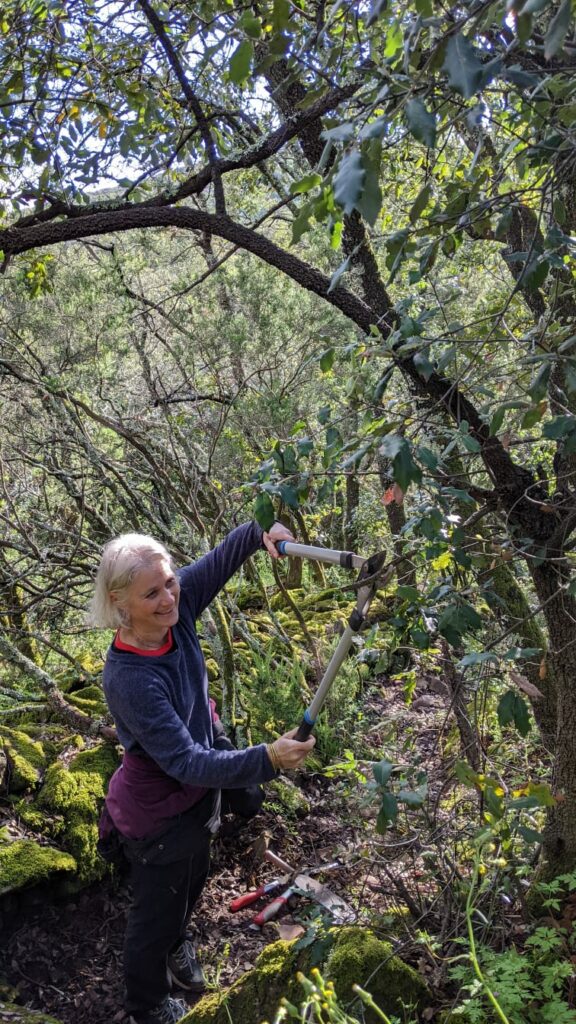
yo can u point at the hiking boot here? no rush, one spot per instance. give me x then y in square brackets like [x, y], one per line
[170, 1011]
[184, 969]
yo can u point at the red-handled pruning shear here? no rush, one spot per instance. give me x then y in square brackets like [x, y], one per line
[295, 881]
[250, 897]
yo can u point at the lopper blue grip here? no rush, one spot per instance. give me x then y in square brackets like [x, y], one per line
[305, 727]
[281, 545]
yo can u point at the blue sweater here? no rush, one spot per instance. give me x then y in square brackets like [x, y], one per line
[160, 704]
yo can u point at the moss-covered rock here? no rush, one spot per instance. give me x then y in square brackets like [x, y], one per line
[255, 996]
[357, 956]
[24, 863]
[360, 958]
[72, 794]
[14, 1014]
[26, 759]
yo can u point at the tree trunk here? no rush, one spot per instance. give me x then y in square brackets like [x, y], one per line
[560, 613]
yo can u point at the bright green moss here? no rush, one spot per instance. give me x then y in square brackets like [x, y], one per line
[32, 818]
[73, 794]
[89, 699]
[212, 669]
[255, 995]
[289, 796]
[24, 863]
[358, 957]
[27, 758]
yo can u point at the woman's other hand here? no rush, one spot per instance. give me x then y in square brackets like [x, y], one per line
[290, 753]
[276, 532]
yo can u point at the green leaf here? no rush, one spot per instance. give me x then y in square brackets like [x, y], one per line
[289, 495]
[496, 421]
[370, 202]
[535, 273]
[421, 122]
[404, 469]
[282, 11]
[519, 77]
[341, 133]
[533, 6]
[559, 211]
[302, 223]
[349, 181]
[464, 773]
[420, 638]
[382, 771]
[470, 443]
[251, 25]
[394, 40]
[521, 716]
[388, 813]
[533, 416]
[408, 593]
[539, 384]
[420, 203]
[411, 797]
[304, 446]
[463, 66]
[458, 619]
[327, 360]
[324, 414]
[560, 426]
[513, 708]
[529, 834]
[264, 511]
[515, 653]
[557, 30]
[305, 184]
[240, 61]
[477, 659]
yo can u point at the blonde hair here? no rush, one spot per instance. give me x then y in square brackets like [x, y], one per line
[122, 559]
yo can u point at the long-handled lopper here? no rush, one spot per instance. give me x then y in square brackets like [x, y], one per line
[372, 575]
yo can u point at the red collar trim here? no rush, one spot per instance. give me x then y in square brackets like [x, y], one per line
[121, 646]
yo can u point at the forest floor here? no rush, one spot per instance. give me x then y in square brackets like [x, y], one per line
[65, 958]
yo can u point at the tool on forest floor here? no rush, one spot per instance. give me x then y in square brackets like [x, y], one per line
[372, 575]
[304, 885]
[250, 897]
[295, 882]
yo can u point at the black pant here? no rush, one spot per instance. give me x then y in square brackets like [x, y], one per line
[164, 891]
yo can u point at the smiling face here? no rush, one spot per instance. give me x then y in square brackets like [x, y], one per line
[150, 604]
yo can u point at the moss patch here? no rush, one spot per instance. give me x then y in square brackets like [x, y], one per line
[73, 795]
[27, 759]
[291, 799]
[255, 996]
[212, 669]
[89, 699]
[359, 957]
[24, 863]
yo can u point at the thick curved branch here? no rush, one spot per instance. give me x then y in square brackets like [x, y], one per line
[517, 488]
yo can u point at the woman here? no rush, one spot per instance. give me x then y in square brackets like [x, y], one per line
[163, 802]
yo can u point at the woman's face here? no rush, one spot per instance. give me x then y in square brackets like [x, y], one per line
[151, 601]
